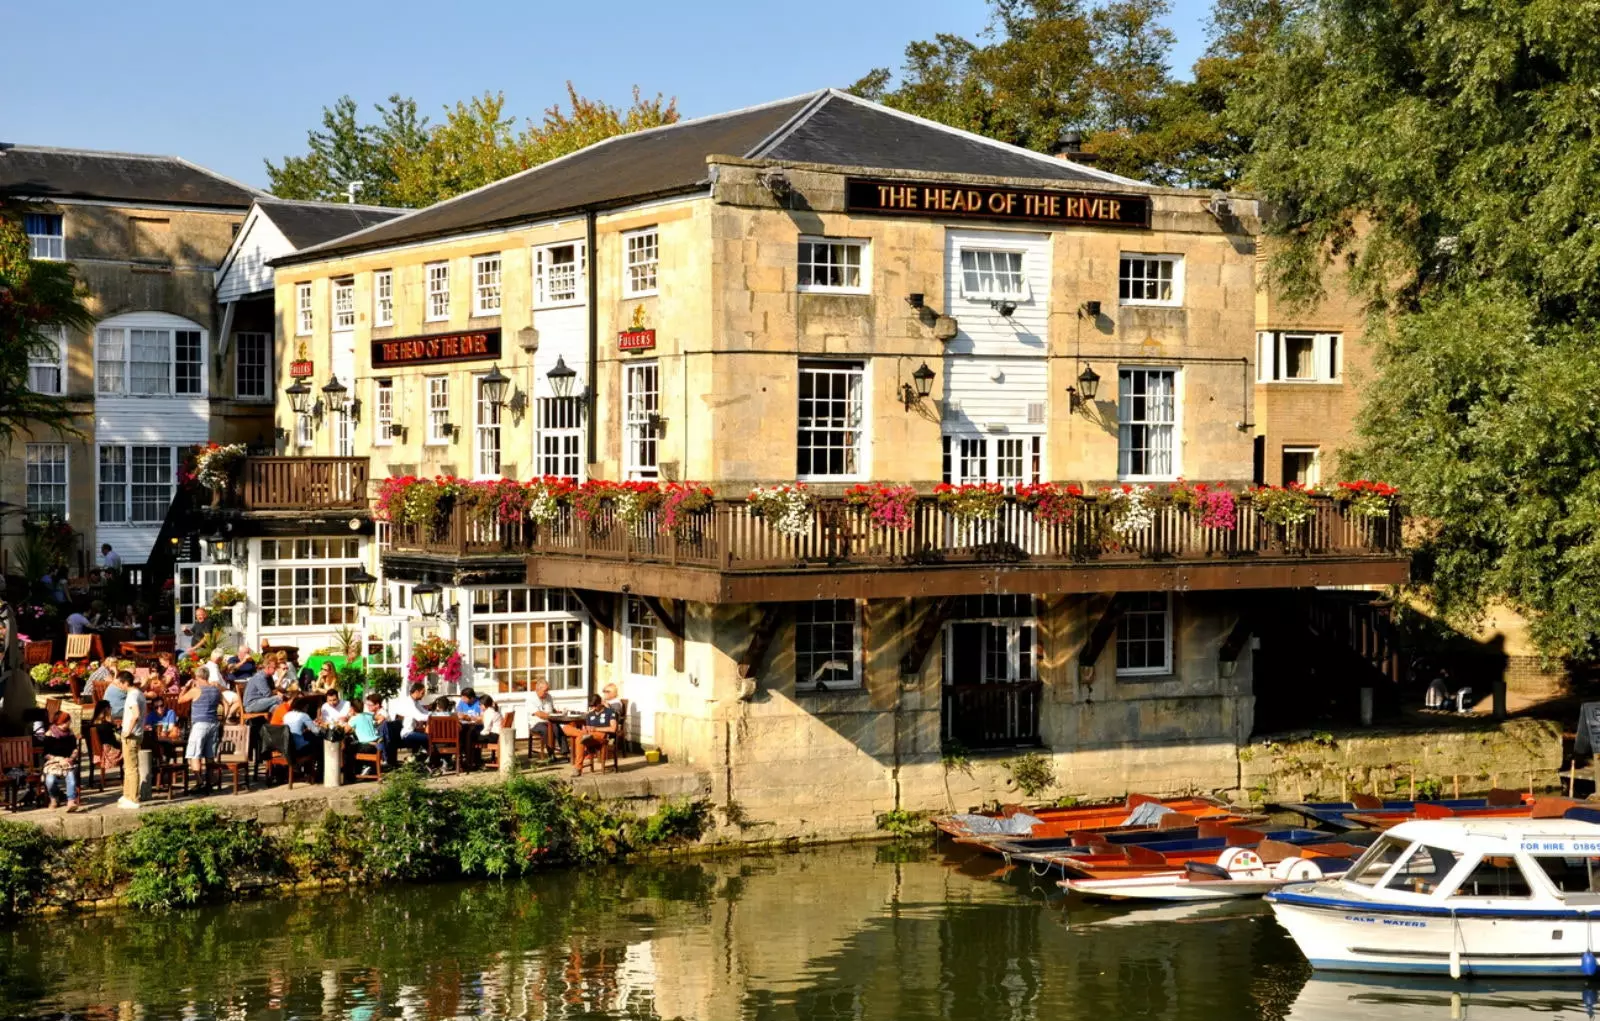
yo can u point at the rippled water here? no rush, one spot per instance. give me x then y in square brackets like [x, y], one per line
[839, 933]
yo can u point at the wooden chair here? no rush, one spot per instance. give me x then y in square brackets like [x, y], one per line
[17, 769]
[373, 758]
[233, 755]
[281, 751]
[163, 643]
[35, 653]
[171, 767]
[52, 706]
[444, 738]
[97, 756]
[84, 647]
[489, 754]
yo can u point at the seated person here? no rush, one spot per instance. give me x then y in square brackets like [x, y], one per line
[60, 747]
[408, 722]
[303, 730]
[328, 677]
[492, 718]
[280, 711]
[168, 669]
[368, 728]
[258, 694]
[232, 708]
[548, 732]
[613, 699]
[468, 707]
[244, 666]
[335, 711]
[77, 623]
[599, 724]
[162, 720]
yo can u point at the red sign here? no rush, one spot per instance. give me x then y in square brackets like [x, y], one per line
[636, 340]
[479, 345]
[298, 369]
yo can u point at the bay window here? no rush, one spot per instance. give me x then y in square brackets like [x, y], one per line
[304, 582]
[149, 355]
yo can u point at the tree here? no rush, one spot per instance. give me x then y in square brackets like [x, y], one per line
[403, 160]
[37, 299]
[1449, 156]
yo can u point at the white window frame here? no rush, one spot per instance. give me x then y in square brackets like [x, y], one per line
[976, 457]
[1143, 280]
[641, 438]
[243, 342]
[437, 410]
[808, 265]
[1020, 632]
[383, 297]
[545, 279]
[305, 313]
[129, 482]
[486, 277]
[342, 304]
[531, 607]
[641, 634]
[641, 263]
[46, 247]
[860, 428]
[383, 412]
[56, 335]
[311, 583]
[1165, 613]
[560, 437]
[35, 466]
[1126, 425]
[305, 434]
[977, 292]
[1303, 448]
[1327, 357]
[805, 663]
[114, 373]
[436, 288]
[488, 438]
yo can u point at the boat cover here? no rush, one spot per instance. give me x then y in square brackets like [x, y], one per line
[1019, 825]
[1147, 814]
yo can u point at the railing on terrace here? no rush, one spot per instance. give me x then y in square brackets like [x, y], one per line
[303, 483]
[729, 536]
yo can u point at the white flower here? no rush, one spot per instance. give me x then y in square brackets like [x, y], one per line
[544, 507]
[786, 508]
[1131, 510]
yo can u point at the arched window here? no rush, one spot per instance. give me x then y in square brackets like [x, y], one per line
[150, 354]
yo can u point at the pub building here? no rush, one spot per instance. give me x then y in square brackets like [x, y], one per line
[822, 291]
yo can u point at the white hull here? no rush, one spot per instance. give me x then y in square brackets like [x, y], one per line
[1172, 886]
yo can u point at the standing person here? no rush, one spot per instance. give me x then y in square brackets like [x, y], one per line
[110, 558]
[132, 736]
[114, 693]
[202, 625]
[544, 709]
[60, 748]
[205, 723]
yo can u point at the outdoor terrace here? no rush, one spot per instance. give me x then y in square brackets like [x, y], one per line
[726, 553]
[299, 484]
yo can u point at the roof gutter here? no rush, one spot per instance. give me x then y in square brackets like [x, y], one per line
[592, 397]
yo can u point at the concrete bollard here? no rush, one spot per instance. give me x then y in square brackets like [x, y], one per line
[508, 751]
[147, 773]
[332, 763]
[1366, 707]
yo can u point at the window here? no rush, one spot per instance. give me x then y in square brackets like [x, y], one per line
[826, 646]
[382, 412]
[45, 236]
[524, 635]
[486, 285]
[1144, 635]
[561, 437]
[302, 306]
[438, 300]
[486, 432]
[344, 432]
[1150, 279]
[558, 274]
[1575, 874]
[1283, 357]
[1302, 465]
[303, 582]
[1372, 866]
[986, 275]
[832, 414]
[135, 484]
[1496, 876]
[344, 304]
[1147, 416]
[992, 640]
[156, 362]
[47, 361]
[641, 419]
[47, 480]
[250, 371]
[383, 298]
[304, 433]
[1422, 869]
[1008, 460]
[640, 261]
[831, 264]
[640, 625]
[438, 410]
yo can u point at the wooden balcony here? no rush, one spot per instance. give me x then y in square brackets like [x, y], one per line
[301, 484]
[726, 553]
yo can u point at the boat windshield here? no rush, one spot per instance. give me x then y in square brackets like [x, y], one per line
[1576, 874]
[1496, 875]
[1372, 866]
[1422, 869]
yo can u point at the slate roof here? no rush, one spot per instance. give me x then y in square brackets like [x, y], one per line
[825, 127]
[45, 173]
[311, 223]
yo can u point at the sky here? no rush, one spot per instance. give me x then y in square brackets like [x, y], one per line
[227, 85]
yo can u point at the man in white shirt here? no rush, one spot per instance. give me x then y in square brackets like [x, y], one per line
[408, 722]
[301, 728]
[110, 558]
[335, 710]
[543, 706]
[132, 737]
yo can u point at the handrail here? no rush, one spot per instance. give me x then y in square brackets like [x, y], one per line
[303, 483]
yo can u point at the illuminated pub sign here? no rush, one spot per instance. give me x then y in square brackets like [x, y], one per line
[985, 202]
[437, 348]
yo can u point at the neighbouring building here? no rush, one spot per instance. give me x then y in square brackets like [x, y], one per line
[826, 291]
[145, 234]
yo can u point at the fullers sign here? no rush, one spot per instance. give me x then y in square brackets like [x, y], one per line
[439, 347]
[984, 202]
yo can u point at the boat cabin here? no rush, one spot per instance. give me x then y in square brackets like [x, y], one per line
[1493, 861]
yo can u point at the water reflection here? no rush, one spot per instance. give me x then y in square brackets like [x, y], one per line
[848, 933]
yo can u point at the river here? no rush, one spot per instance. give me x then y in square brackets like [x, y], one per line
[838, 933]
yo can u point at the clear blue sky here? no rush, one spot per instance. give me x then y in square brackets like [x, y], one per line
[228, 84]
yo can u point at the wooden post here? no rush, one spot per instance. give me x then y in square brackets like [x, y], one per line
[1572, 778]
[1458, 786]
[1413, 785]
[1494, 781]
[1344, 788]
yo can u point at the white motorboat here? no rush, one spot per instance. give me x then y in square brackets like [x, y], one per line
[1239, 872]
[1458, 897]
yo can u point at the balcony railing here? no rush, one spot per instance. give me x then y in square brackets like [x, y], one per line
[729, 536]
[996, 715]
[302, 483]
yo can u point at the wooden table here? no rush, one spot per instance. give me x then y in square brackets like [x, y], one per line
[145, 649]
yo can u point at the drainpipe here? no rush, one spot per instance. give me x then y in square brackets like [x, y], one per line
[594, 345]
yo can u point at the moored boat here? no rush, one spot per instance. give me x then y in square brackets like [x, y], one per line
[1459, 897]
[1137, 812]
[1236, 874]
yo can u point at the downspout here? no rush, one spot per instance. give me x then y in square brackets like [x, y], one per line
[593, 396]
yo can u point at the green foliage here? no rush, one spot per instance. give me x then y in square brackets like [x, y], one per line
[385, 681]
[956, 758]
[36, 299]
[352, 679]
[1429, 788]
[407, 827]
[189, 855]
[1031, 773]
[25, 855]
[1067, 801]
[675, 822]
[904, 825]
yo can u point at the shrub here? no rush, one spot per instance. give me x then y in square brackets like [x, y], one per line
[407, 825]
[903, 825]
[385, 681]
[190, 855]
[1031, 773]
[25, 856]
[676, 822]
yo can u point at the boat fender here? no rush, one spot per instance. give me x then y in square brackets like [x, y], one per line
[1588, 964]
[1239, 859]
[1455, 962]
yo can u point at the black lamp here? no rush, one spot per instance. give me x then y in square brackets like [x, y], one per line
[427, 596]
[221, 548]
[561, 378]
[335, 391]
[361, 583]
[923, 378]
[1088, 385]
[1006, 308]
[299, 397]
[494, 385]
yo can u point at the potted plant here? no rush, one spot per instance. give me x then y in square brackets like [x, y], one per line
[680, 507]
[215, 465]
[434, 659]
[785, 508]
[971, 501]
[1051, 503]
[887, 506]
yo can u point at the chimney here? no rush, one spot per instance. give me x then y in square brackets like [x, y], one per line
[1069, 146]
